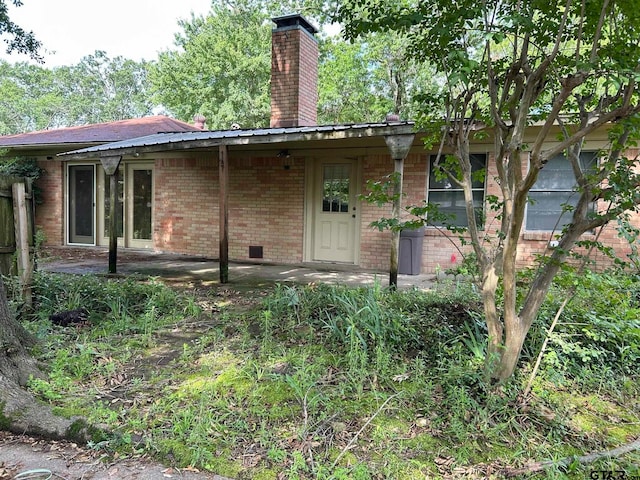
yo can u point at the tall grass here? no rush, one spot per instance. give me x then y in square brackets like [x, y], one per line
[329, 382]
[363, 321]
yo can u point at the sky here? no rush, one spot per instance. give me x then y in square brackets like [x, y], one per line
[72, 29]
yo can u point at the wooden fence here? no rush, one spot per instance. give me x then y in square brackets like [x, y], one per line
[16, 227]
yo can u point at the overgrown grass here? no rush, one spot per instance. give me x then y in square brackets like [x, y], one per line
[333, 382]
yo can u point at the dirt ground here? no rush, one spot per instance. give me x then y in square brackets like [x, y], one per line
[53, 460]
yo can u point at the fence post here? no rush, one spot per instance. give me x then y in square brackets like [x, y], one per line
[20, 220]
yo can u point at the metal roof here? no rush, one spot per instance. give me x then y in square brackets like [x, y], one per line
[204, 139]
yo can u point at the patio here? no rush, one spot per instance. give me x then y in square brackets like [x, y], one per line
[205, 271]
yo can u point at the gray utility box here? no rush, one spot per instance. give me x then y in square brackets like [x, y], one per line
[410, 255]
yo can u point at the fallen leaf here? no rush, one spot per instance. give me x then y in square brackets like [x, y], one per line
[401, 378]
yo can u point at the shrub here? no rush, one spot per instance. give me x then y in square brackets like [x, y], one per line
[599, 326]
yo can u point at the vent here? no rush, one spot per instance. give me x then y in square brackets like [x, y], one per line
[256, 252]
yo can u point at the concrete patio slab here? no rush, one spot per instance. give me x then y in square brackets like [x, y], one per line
[184, 268]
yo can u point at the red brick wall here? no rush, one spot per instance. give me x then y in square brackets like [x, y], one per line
[374, 245]
[266, 208]
[294, 78]
[440, 253]
[50, 213]
[441, 250]
[186, 206]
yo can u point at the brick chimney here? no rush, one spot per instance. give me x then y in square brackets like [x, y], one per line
[294, 72]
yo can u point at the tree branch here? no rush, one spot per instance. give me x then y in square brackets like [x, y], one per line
[584, 459]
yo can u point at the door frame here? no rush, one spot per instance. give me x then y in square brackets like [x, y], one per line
[313, 168]
[126, 176]
[129, 204]
[102, 178]
[67, 204]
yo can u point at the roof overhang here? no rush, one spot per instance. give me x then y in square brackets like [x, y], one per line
[205, 140]
[48, 146]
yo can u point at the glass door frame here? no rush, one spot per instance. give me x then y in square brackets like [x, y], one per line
[103, 178]
[130, 205]
[126, 174]
[69, 203]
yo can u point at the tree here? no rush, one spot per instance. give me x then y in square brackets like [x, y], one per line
[364, 80]
[19, 40]
[103, 89]
[221, 68]
[97, 89]
[566, 68]
[347, 92]
[19, 410]
[222, 65]
[28, 98]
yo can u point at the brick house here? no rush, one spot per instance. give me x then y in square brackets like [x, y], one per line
[292, 188]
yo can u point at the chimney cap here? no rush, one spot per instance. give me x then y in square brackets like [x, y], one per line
[294, 20]
[199, 121]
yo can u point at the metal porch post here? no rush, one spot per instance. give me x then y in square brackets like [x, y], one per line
[399, 146]
[223, 168]
[110, 165]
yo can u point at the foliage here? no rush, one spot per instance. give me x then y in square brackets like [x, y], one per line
[23, 167]
[220, 68]
[19, 40]
[346, 93]
[536, 80]
[363, 321]
[364, 80]
[20, 167]
[100, 297]
[104, 89]
[631, 235]
[604, 334]
[97, 89]
[296, 398]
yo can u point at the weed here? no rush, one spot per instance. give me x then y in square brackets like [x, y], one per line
[338, 382]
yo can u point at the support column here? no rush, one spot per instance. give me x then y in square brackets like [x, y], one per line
[223, 168]
[399, 146]
[110, 165]
[398, 170]
[113, 220]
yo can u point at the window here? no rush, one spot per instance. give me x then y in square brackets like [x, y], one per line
[335, 188]
[450, 198]
[554, 191]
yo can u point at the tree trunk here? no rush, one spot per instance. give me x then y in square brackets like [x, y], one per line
[514, 340]
[20, 411]
[492, 316]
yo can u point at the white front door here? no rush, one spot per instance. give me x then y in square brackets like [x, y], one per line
[335, 212]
